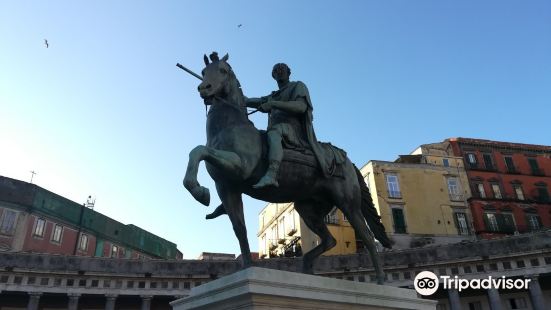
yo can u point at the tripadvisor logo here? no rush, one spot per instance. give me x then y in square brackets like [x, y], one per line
[426, 283]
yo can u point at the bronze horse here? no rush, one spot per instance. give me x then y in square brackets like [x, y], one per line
[235, 157]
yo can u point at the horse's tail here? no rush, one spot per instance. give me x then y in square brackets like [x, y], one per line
[370, 213]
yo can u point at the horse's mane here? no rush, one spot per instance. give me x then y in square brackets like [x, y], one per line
[238, 96]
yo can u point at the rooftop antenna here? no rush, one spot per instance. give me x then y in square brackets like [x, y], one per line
[32, 175]
[90, 202]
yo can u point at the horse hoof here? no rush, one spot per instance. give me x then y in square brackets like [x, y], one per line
[204, 196]
[201, 194]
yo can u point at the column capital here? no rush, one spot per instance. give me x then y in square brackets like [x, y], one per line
[146, 296]
[111, 296]
[74, 295]
[35, 294]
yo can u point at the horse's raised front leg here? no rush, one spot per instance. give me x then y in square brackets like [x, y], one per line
[223, 160]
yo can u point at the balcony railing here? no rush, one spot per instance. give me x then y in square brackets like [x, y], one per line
[456, 197]
[291, 232]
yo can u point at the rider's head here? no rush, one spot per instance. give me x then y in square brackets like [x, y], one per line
[281, 72]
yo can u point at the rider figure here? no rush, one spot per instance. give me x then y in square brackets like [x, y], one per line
[289, 124]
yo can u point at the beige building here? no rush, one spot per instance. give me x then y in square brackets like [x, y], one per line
[283, 233]
[422, 198]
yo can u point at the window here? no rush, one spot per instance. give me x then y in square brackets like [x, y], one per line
[281, 228]
[471, 159]
[454, 189]
[263, 245]
[488, 161]
[479, 190]
[262, 219]
[446, 162]
[332, 217]
[7, 222]
[534, 166]
[520, 264]
[510, 165]
[273, 237]
[496, 190]
[56, 234]
[543, 194]
[490, 220]
[518, 191]
[506, 222]
[533, 221]
[399, 220]
[393, 186]
[114, 251]
[475, 305]
[291, 222]
[83, 242]
[518, 303]
[39, 228]
[461, 223]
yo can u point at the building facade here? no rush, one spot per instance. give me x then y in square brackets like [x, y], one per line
[44, 281]
[283, 234]
[35, 220]
[421, 198]
[509, 183]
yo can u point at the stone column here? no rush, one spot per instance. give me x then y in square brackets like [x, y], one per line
[110, 302]
[34, 299]
[146, 302]
[536, 294]
[494, 299]
[73, 301]
[455, 302]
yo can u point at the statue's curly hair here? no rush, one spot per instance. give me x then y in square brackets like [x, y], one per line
[279, 67]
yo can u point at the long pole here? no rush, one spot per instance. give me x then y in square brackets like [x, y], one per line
[189, 71]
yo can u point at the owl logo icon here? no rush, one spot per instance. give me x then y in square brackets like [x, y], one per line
[426, 283]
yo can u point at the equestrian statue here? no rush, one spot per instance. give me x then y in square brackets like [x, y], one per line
[286, 163]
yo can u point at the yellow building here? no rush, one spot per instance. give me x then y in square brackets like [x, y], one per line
[283, 233]
[421, 197]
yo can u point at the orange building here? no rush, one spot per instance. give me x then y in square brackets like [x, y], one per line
[509, 184]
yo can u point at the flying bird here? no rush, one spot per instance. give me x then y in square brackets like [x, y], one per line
[239, 26]
[46, 43]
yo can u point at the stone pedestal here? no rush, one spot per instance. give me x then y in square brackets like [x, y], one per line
[259, 288]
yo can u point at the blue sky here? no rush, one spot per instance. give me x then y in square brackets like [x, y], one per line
[105, 111]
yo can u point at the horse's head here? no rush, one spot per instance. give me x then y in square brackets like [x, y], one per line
[217, 77]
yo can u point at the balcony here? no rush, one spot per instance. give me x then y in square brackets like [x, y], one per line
[456, 197]
[291, 232]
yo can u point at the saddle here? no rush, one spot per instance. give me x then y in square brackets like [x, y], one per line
[303, 155]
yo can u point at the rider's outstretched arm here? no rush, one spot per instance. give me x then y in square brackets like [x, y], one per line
[254, 102]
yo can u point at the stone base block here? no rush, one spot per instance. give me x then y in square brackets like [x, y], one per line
[259, 288]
